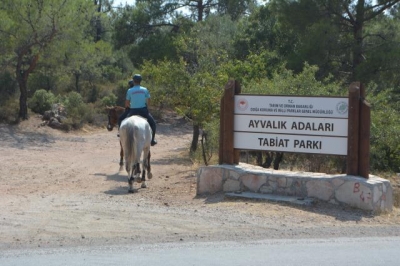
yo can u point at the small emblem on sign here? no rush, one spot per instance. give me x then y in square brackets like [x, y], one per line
[342, 108]
[242, 104]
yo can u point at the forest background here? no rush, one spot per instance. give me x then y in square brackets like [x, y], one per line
[82, 54]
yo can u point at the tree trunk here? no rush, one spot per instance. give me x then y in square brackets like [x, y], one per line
[269, 157]
[200, 10]
[278, 159]
[22, 78]
[358, 38]
[259, 158]
[98, 21]
[195, 139]
[23, 98]
[77, 76]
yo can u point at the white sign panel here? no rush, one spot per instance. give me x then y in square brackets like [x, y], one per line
[290, 143]
[334, 107]
[291, 125]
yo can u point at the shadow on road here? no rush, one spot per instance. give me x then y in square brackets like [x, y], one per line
[340, 213]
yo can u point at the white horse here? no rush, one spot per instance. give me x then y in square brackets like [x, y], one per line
[135, 136]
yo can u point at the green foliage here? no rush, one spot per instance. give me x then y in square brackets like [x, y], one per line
[164, 80]
[9, 110]
[109, 100]
[122, 63]
[77, 111]
[193, 84]
[154, 48]
[285, 82]
[202, 97]
[384, 54]
[208, 44]
[254, 68]
[42, 80]
[235, 8]
[147, 19]
[8, 86]
[72, 101]
[120, 92]
[209, 143]
[41, 101]
[261, 32]
[347, 48]
[89, 63]
[385, 128]
[32, 27]
[195, 96]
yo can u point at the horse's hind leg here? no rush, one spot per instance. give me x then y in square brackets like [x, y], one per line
[131, 178]
[137, 173]
[146, 166]
[121, 156]
[130, 181]
[144, 185]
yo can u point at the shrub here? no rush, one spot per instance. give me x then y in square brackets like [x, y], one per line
[109, 100]
[384, 139]
[120, 92]
[9, 111]
[8, 86]
[76, 110]
[73, 101]
[41, 101]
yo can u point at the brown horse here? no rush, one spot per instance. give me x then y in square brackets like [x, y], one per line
[114, 112]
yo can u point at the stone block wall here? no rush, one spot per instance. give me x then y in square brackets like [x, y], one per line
[375, 193]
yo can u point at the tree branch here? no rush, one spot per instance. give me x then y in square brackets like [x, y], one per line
[381, 9]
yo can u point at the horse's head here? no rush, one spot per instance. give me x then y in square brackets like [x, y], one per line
[112, 117]
[113, 112]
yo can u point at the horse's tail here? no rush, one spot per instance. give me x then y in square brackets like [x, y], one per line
[126, 138]
[132, 142]
[137, 148]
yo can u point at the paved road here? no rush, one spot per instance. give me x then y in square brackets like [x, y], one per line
[310, 252]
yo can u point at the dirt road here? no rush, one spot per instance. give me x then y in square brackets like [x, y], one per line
[67, 189]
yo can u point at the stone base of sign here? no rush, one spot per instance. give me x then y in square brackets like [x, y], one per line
[375, 193]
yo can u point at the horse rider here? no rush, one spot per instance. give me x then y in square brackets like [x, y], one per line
[137, 99]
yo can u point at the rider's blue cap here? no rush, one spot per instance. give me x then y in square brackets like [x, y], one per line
[137, 77]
